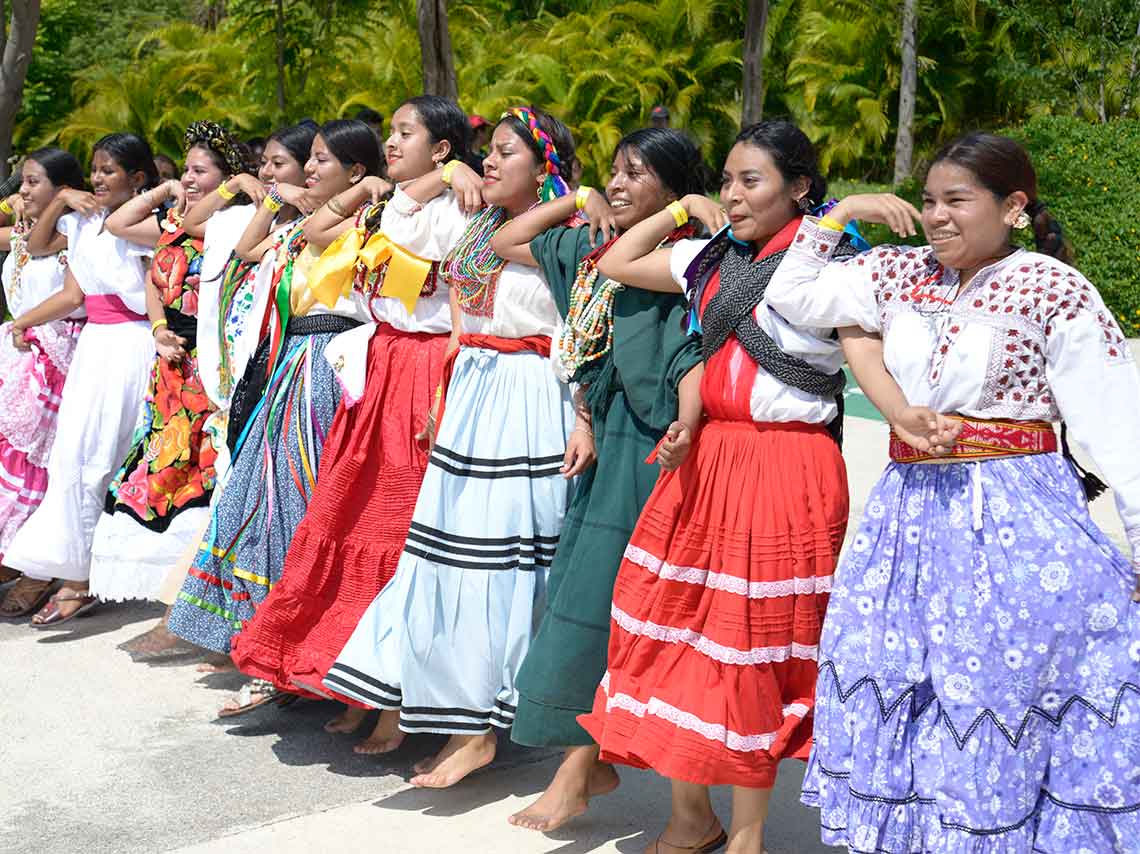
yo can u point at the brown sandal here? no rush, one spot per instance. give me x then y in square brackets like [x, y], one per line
[51, 615]
[25, 597]
[707, 846]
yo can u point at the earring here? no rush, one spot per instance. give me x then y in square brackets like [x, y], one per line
[804, 204]
[1022, 222]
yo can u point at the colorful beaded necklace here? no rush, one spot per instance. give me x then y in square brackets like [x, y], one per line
[472, 268]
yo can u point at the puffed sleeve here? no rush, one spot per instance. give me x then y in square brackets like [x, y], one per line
[428, 230]
[67, 225]
[1096, 386]
[682, 254]
[809, 289]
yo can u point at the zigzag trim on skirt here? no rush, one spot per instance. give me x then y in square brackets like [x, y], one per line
[1014, 738]
[706, 646]
[454, 720]
[360, 686]
[485, 553]
[485, 467]
[681, 719]
[728, 583]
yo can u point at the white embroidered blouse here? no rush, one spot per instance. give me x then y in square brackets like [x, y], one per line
[1029, 338]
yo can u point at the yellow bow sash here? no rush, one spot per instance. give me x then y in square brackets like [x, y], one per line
[332, 275]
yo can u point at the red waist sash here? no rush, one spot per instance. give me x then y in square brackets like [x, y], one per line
[531, 344]
[108, 308]
[983, 439]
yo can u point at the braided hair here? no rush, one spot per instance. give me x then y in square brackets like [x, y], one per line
[550, 142]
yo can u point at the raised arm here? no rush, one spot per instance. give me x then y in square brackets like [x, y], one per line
[335, 216]
[512, 241]
[44, 238]
[194, 223]
[257, 237]
[135, 220]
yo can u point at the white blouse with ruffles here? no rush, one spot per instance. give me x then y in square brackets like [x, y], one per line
[39, 278]
[105, 265]
[771, 400]
[1029, 338]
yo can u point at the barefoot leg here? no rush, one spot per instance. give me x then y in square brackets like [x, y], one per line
[385, 738]
[158, 639]
[349, 720]
[580, 777]
[692, 821]
[460, 756]
[216, 663]
[749, 812]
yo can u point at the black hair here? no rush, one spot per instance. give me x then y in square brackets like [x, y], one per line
[351, 141]
[168, 159]
[791, 151]
[255, 142]
[369, 116]
[62, 167]
[1003, 167]
[444, 120]
[296, 139]
[132, 153]
[671, 154]
[559, 134]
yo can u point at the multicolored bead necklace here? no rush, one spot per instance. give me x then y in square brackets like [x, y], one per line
[472, 268]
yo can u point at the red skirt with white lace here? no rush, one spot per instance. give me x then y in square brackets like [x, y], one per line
[718, 606]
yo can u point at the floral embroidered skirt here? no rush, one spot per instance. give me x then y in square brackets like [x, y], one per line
[30, 387]
[346, 548]
[979, 683]
[169, 471]
[718, 606]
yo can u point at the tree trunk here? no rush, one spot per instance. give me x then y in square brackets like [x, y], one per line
[280, 38]
[908, 85]
[756, 22]
[435, 49]
[20, 37]
[1126, 106]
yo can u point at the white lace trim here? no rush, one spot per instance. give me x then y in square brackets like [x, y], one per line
[728, 583]
[705, 646]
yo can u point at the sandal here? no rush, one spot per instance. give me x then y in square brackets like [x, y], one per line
[267, 692]
[25, 597]
[705, 847]
[51, 615]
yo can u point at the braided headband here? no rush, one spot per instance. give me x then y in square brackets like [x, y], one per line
[553, 185]
[213, 136]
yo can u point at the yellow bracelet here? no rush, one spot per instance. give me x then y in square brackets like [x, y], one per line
[5, 207]
[271, 204]
[448, 168]
[158, 324]
[225, 192]
[830, 224]
[581, 197]
[680, 215]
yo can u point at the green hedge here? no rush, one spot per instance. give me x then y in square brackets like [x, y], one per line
[1089, 176]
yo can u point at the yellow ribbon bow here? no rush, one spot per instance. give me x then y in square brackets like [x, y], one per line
[331, 277]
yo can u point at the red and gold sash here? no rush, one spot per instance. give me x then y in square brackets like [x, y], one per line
[983, 439]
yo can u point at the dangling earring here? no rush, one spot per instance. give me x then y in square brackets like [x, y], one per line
[1023, 221]
[804, 204]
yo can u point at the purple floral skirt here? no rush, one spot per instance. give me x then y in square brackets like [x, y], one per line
[979, 686]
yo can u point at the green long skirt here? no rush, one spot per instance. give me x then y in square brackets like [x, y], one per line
[567, 657]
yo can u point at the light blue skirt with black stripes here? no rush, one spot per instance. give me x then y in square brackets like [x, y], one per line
[445, 640]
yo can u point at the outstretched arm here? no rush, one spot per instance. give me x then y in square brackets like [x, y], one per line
[512, 241]
[135, 221]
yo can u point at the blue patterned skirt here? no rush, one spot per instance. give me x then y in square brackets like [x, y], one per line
[979, 670]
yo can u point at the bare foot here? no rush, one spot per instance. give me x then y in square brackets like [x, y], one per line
[216, 663]
[158, 639]
[385, 738]
[349, 720]
[580, 777]
[460, 756]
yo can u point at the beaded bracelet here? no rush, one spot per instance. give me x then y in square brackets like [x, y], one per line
[273, 201]
[448, 168]
[5, 207]
[680, 215]
[581, 197]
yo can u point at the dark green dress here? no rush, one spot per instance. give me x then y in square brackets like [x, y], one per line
[633, 398]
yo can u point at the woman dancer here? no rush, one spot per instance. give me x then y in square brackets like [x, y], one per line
[629, 349]
[156, 500]
[31, 381]
[979, 666]
[280, 437]
[346, 548]
[107, 380]
[718, 603]
[446, 638]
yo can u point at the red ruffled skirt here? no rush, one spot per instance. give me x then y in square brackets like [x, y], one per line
[718, 606]
[347, 546]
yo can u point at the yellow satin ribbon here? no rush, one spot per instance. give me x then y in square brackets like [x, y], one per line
[331, 277]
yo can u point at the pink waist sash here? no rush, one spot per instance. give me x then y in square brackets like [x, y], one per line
[108, 308]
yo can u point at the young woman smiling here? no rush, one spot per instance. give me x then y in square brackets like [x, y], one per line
[293, 394]
[981, 654]
[718, 603]
[628, 349]
[346, 548]
[447, 636]
[31, 380]
[156, 500]
[107, 381]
